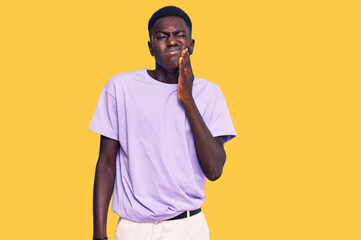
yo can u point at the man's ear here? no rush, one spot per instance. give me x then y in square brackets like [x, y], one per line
[192, 47]
[150, 46]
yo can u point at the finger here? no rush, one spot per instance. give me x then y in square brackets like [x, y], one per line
[180, 61]
[186, 54]
[186, 58]
[181, 67]
[183, 52]
[183, 55]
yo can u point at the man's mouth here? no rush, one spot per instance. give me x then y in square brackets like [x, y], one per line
[172, 51]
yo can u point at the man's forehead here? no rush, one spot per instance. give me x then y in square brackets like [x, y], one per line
[170, 23]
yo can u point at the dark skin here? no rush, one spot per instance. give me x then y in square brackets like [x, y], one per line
[103, 184]
[171, 45]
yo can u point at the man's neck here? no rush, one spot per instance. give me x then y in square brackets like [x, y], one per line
[164, 75]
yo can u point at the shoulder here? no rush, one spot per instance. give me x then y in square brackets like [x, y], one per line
[120, 80]
[211, 89]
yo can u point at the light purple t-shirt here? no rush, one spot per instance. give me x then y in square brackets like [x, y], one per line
[158, 175]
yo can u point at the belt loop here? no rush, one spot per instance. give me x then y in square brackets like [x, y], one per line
[188, 213]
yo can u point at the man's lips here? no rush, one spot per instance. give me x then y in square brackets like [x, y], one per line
[172, 51]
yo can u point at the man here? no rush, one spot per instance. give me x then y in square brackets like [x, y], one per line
[162, 134]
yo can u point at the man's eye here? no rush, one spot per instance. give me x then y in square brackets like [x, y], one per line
[181, 36]
[161, 37]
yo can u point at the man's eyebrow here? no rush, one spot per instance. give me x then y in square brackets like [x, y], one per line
[166, 33]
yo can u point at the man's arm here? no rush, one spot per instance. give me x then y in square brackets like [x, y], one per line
[210, 150]
[103, 184]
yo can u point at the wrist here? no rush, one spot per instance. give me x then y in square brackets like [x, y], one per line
[187, 100]
[99, 235]
[101, 238]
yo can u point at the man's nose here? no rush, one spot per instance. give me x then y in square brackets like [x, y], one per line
[172, 41]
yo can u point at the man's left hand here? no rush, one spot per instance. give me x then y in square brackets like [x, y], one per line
[185, 77]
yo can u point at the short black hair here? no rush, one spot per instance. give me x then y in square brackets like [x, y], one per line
[167, 12]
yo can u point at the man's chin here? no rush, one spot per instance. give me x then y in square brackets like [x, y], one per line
[173, 66]
[170, 65]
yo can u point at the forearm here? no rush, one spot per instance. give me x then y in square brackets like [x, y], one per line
[103, 188]
[211, 154]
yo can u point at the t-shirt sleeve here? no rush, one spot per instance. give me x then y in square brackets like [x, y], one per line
[220, 123]
[105, 120]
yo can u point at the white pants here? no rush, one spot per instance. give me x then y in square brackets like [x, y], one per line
[191, 228]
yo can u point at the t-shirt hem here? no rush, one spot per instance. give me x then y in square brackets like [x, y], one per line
[104, 133]
[151, 219]
[227, 136]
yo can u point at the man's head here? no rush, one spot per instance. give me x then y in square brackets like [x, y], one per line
[170, 33]
[167, 12]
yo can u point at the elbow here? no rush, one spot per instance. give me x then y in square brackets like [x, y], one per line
[106, 164]
[216, 169]
[215, 175]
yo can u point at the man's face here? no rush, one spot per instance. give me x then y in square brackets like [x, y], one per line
[169, 36]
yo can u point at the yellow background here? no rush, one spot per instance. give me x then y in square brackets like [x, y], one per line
[290, 71]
